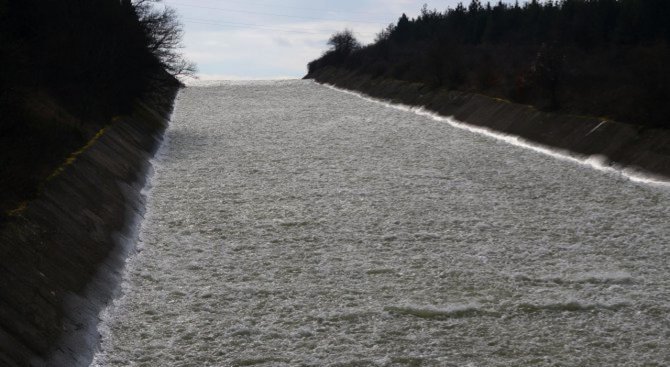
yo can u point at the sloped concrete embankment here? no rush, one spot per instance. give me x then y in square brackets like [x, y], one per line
[644, 151]
[62, 255]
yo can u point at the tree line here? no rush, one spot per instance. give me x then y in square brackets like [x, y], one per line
[599, 57]
[67, 68]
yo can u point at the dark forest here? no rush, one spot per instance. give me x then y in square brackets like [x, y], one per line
[607, 58]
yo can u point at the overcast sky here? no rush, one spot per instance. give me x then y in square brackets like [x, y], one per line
[270, 39]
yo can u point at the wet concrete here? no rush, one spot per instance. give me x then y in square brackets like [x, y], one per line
[62, 255]
[643, 150]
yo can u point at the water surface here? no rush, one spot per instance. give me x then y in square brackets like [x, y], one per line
[290, 224]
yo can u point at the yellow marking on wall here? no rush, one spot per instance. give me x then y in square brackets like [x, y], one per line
[73, 157]
[18, 210]
[68, 162]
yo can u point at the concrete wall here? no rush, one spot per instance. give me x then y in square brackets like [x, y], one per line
[642, 150]
[62, 255]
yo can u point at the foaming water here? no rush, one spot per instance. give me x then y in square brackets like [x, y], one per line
[597, 162]
[222, 83]
[289, 224]
[130, 249]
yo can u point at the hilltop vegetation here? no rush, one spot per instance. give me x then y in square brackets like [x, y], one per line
[67, 68]
[598, 57]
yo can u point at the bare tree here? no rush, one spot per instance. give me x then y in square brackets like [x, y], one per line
[385, 34]
[344, 42]
[163, 34]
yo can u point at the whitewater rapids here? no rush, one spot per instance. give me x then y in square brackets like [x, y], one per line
[290, 224]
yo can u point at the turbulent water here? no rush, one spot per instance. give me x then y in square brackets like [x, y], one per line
[290, 224]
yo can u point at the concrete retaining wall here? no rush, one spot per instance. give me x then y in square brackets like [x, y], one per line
[62, 255]
[644, 151]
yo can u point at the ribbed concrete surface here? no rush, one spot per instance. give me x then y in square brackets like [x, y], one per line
[61, 257]
[623, 145]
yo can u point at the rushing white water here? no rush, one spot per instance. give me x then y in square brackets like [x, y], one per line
[290, 224]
